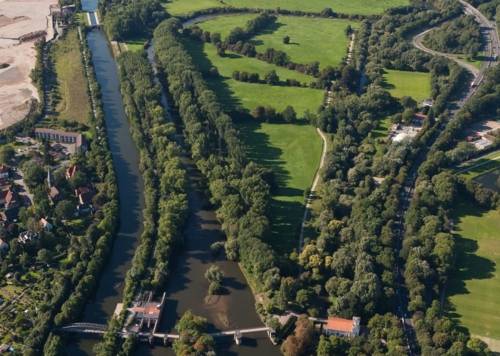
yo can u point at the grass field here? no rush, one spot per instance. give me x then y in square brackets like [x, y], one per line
[480, 165]
[74, 104]
[235, 94]
[474, 288]
[402, 83]
[311, 39]
[135, 45]
[293, 152]
[362, 7]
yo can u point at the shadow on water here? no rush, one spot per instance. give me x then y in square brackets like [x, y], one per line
[130, 188]
[187, 287]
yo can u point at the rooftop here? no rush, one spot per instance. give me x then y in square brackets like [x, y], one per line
[340, 324]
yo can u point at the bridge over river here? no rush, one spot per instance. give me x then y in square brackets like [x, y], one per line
[99, 329]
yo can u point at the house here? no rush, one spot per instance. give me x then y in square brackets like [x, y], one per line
[343, 327]
[84, 195]
[428, 103]
[9, 198]
[74, 139]
[4, 171]
[27, 236]
[54, 194]
[71, 171]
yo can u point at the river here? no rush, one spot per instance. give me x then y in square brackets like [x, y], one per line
[187, 287]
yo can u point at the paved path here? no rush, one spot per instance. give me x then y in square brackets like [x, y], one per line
[314, 186]
[418, 42]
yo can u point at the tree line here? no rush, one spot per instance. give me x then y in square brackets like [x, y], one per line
[239, 189]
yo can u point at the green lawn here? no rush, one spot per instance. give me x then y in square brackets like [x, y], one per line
[474, 289]
[235, 94]
[311, 39]
[479, 166]
[362, 7]
[403, 83]
[293, 152]
[135, 45]
[74, 104]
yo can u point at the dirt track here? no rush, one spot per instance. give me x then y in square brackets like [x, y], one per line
[17, 18]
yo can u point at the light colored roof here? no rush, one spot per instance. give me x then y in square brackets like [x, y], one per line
[339, 324]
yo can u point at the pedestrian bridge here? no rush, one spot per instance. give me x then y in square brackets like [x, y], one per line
[99, 329]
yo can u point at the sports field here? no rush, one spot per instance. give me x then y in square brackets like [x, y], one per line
[311, 39]
[74, 104]
[404, 83]
[474, 288]
[236, 94]
[293, 152]
[362, 7]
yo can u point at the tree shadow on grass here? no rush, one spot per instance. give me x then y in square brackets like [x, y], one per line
[469, 265]
[223, 92]
[267, 31]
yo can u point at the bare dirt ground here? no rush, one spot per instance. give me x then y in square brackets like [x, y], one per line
[17, 59]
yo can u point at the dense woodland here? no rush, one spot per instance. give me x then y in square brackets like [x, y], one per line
[460, 35]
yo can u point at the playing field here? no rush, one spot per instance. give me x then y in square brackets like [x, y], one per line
[403, 83]
[480, 166]
[293, 152]
[362, 7]
[72, 84]
[235, 94]
[311, 39]
[474, 288]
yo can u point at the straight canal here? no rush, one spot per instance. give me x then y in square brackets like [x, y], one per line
[187, 287]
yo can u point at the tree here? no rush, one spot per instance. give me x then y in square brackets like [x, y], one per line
[64, 210]
[7, 153]
[34, 175]
[44, 256]
[214, 275]
[286, 39]
[289, 114]
[272, 78]
[301, 340]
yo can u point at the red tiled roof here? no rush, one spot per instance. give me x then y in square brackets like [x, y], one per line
[339, 324]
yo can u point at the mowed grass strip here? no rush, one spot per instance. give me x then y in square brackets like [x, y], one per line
[74, 104]
[475, 286]
[293, 152]
[480, 165]
[361, 7]
[405, 83]
[239, 95]
[311, 39]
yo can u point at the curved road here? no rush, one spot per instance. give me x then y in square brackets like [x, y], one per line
[418, 42]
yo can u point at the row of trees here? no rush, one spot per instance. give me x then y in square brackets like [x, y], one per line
[239, 190]
[165, 181]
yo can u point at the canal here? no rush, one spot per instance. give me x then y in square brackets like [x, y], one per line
[187, 287]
